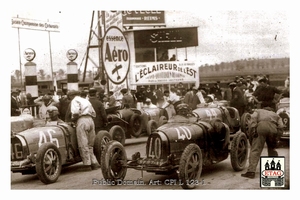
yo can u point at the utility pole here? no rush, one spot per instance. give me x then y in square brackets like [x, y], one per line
[98, 34]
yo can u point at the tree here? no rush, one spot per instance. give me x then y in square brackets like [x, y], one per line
[61, 73]
[12, 79]
[42, 74]
[18, 74]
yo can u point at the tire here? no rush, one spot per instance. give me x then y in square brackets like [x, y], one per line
[151, 126]
[239, 151]
[135, 125]
[48, 163]
[190, 166]
[113, 159]
[162, 120]
[117, 133]
[245, 124]
[102, 138]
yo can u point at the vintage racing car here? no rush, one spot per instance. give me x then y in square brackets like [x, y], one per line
[189, 141]
[44, 150]
[283, 110]
[153, 117]
[123, 123]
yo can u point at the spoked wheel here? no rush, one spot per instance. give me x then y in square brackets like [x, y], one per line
[48, 163]
[245, 123]
[239, 151]
[113, 161]
[117, 133]
[151, 126]
[135, 125]
[190, 166]
[102, 138]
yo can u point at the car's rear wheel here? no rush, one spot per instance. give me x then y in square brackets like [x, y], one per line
[135, 125]
[48, 163]
[245, 123]
[102, 138]
[113, 161]
[239, 151]
[190, 166]
[151, 126]
[117, 133]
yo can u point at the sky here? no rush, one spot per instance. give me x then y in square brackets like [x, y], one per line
[223, 36]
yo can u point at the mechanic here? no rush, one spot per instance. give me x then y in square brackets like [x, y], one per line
[266, 126]
[82, 113]
[100, 120]
[53, 113]
[265, 93]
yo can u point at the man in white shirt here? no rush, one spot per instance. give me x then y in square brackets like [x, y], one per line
[83, 113]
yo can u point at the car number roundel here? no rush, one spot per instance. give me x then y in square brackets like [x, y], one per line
[115, 55]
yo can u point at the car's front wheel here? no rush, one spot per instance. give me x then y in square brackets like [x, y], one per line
[102, 138]
[245, 123]
[190, 166]
[48, 163]
[113, 161]
[239, 151]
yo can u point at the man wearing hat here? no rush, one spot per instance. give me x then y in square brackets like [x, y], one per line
[127, 100]
[15, 109]
[100, 120]
[191, 98]
[265, 93]
[82, 113]
[216, 90]
[53, 114]
[266, 127]
[44, 102]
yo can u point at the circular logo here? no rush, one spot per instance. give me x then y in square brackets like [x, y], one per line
[72, 54]
[29, 54]
[115, 55]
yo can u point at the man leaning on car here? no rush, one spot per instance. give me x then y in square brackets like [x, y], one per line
[83, 113]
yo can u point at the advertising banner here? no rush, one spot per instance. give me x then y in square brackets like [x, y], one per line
[165, 73]
[143, 18]
[35, 24]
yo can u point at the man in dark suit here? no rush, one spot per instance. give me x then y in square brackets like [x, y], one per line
[15, 107]
[100, 120]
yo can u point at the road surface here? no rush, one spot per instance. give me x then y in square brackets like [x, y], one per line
[218, 176]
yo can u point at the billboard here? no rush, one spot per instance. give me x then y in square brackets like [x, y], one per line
[166, 37]
[143, 18]
[153, 73]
